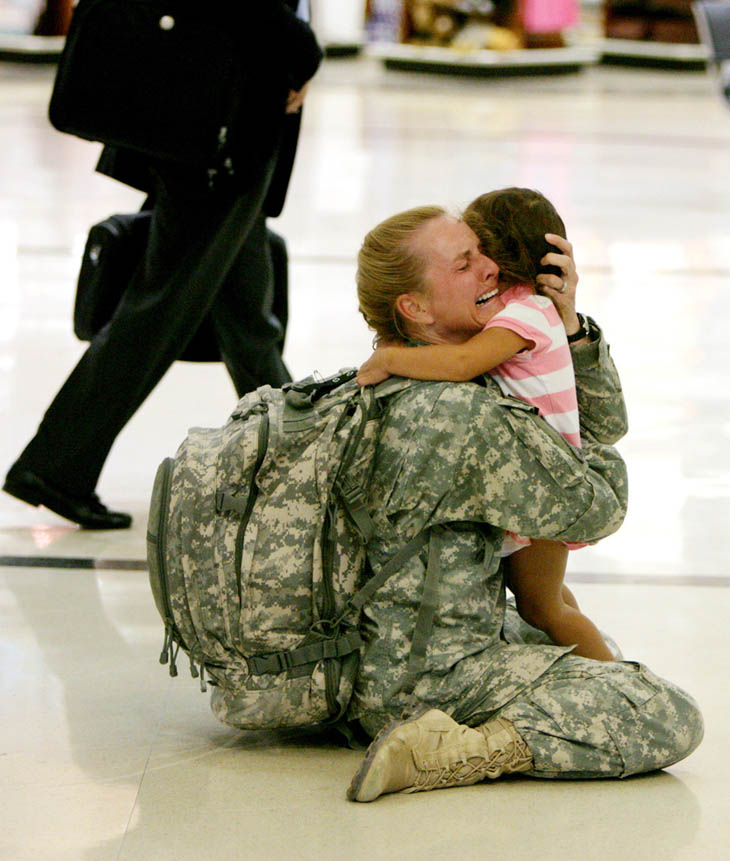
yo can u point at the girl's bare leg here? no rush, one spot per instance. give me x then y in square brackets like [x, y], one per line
[569, 598]
[535, 575]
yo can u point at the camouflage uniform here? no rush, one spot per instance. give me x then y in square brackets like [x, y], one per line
[466, 463]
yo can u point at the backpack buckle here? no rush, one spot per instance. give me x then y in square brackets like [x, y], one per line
[353, 498]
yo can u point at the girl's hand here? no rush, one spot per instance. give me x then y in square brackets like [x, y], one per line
[561, 289]
[373, 371]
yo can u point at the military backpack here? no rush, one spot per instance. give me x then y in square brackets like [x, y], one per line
[256, 550]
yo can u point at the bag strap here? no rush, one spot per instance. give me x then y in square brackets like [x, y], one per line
[424, 623]
[337, 647]
[308, 391]
[395, 563]
[351, 493]
[230, 502]
[278, 662]
[353, 498]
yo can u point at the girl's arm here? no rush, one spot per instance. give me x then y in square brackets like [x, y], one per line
[454, 362]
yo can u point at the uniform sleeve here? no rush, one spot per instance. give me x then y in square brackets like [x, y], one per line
[600, 398]
[517, 473]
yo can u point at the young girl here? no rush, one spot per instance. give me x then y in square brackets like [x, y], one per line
[525, 348]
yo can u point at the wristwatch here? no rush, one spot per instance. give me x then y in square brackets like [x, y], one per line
[583, 332]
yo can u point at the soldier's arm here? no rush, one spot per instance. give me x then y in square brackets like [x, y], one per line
[517, 473]
[601, 404]
[600, 399]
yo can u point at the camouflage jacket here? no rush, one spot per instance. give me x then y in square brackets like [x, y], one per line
[466, 463]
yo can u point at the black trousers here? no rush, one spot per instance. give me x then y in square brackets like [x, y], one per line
[208, 256]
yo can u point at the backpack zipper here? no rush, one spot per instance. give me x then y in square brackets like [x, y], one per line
[328, 604]
[329, 539]
[172, 635]
[262, 444]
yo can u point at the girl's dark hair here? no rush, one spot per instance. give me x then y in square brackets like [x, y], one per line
[511, 224]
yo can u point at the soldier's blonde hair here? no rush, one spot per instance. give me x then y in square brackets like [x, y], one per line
[387, 266]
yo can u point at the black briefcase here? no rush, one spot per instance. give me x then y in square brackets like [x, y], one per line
[162, 78]
[114, 249]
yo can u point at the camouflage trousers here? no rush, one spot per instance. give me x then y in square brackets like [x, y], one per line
[590, 719]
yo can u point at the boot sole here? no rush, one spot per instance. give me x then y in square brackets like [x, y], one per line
[372, 752]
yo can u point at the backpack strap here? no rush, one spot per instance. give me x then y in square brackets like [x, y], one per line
[352, 494]
[225, 501]
[424, 623]
[302, 396]
[426, 611]
[308, 391]
[350, 641]
[395, 563]
[278, 662]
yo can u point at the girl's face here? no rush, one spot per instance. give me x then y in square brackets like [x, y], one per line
[462, 284]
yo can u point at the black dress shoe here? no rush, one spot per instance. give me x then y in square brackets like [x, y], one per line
[88, 510]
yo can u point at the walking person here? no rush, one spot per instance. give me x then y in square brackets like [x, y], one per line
[207, 258]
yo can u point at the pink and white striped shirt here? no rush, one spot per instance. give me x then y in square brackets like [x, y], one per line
[544, 375]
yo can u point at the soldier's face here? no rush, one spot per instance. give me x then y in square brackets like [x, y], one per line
[461, 283]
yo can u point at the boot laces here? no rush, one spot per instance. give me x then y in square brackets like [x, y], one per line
[515, 756]
[452, 775]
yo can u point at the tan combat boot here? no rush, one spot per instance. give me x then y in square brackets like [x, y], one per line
[435, 752]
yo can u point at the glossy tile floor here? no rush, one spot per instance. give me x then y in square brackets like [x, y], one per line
[102, 755]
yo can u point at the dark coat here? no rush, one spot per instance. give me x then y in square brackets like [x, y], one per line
[282, 54]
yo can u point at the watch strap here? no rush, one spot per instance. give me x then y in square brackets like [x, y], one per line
[583, 332]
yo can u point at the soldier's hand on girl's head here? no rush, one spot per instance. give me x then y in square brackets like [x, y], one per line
[566, 283]
[560, 288]
[563, 259]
